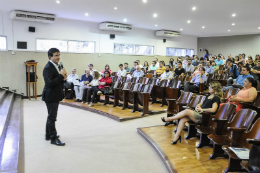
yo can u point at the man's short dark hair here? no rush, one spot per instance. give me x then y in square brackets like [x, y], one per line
[52, 51]
[179, 62]
[167, 66]
[219, 56]
[120, 65]
[247, 68]
[201, 59]
[189, 59]
[90, 64]
[202, 68]
[108, 73]
[161, 62]
[230, 60]
[197, 58]
[154, 62]
[136, 62]
[240, 63]
[126, 63]
[210, 62]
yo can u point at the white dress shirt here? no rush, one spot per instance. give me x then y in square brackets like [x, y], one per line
[72, 77]
[121, 72]
[167, 75]
[56, 66]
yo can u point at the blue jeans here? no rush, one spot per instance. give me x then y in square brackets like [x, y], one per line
[226, 88]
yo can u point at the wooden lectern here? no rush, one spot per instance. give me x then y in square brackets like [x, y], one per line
[28, 82]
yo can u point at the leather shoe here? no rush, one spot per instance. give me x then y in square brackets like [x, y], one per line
[168, 123]
[48, 137]
[57, 142]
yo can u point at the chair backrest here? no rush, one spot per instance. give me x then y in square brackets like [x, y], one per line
[115, 78]
[221, 77]
[134, 79]
[181, 78]
[128, 79]
[188, 73]
[123, 79]
[185, 97]
[196, 100]
[258, 86]
[154, 82]
[175, 83]
[220, 71]
[127, 85]
[165, 83]
[137, 87]
[144, 80]
[147, 89]
[215, 76]
[152, 71]
[230, 92]
[243, 118]
[254, 133]
[115, 84]
[114, 74]
[149, 75]
[209, 78]
[221, 67]
[226, 76]
[188, 78]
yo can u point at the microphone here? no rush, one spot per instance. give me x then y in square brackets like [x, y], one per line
[61, 65]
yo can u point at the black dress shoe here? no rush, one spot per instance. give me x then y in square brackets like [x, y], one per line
[77, 100]
[57, 142]
[48, 137]
[168, 123]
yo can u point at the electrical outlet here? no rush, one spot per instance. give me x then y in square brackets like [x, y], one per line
[13, 52]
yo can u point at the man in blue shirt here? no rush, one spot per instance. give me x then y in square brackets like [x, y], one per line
[232, 73]
[195, 62]
[193, 85]
[241, 78]
[138, 72]
[219, 61]
[209, 68]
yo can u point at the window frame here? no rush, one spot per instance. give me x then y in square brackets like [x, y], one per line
[6, 43]
[81, 41]
[48, 39]
[133, 45]
[178, 48]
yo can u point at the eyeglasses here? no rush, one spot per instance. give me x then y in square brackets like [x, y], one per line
[106, 73]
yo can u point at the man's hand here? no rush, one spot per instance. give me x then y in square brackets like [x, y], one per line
[63, 72]
[234, 83]
[86, 82]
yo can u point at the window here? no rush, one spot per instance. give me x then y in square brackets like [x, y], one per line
[179, 52]
[133, 49]
[3, 43]
[81, 46]
[45, 45]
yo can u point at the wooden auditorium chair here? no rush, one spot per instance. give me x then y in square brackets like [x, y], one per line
[241, 122]
[228, 93]
[143, 99]
[160, 92]
[129, 95]
[224, 114]
[244, 139]
[118, 92]
[114, 85]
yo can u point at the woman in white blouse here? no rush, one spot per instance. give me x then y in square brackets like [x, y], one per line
[93, 83]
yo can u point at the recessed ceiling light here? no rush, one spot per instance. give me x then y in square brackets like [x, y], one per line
[144, 1]
[203, 26]
[188, 21]
[181, 29]
[58, 2]
[193, 8]
[233, 24]
[156, 25]
[115, 8]
[86, 14]
[233, 15]
[154, 15]
[228, 30]
[125, 20]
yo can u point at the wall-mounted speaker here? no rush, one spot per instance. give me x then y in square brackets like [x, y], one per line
[31, 29]
[112, 36]
[21, 45]
[201, 49]
[164, 40]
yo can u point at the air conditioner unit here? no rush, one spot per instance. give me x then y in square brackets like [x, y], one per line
[32, 16]
[106, 26]
[166, 33]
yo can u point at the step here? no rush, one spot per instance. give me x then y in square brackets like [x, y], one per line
[10, 153]
[5, 108]
[2, 94]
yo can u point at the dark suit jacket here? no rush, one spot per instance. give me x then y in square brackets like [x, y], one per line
[53, 89]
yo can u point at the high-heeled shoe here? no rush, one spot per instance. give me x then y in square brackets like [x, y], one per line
[175, 142]
[163, 120]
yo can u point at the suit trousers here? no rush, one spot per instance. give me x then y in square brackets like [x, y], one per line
[52, 117]
[189, 87]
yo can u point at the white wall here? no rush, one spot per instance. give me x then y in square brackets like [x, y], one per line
[88, 31]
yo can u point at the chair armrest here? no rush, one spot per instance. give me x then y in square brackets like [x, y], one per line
[205, 118]
[124, 89]
[220, 123]
[219, 120]
[182, 104]
[171, 99]
[235, 129]
[186, 107]
[253, 141]
[145, 93]
[135, 91]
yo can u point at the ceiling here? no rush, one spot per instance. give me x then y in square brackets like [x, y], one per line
[215, 15]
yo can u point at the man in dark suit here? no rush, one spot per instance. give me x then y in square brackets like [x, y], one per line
[52, 94]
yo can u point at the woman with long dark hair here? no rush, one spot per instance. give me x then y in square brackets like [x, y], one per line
[146, 66]
[207, 54]
[107, 68]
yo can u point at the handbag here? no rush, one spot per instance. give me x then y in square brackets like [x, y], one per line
[108, 91]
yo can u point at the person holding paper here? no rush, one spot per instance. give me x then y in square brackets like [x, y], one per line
[78, 87]
[73, 76]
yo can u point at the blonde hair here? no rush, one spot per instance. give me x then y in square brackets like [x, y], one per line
[217, 87]
[97, 75]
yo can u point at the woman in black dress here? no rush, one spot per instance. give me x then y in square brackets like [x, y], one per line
[210, 104]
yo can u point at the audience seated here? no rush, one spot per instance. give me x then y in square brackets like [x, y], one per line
[257, 58]
[255, 71]
[161, 68]
[185, 62]
[197, 71]
[247, 94]
[107, 68]
[138, 72]
[167, 74]
[236, 60]
[195, 62]
[189, 66]
[202, 60]
[69, 81]
[85, 79]
[199, 78]
[157, 62]
[121, 72]
[134, 68]
[139, 63]
[239, 68]
[241, 79]
[209, 68]
[87, 92]
[250, 63]
[103, 82]
[232, 72]
[153, 66]
[127, 69]
[219, 61]
[91, 70]
[210, 104]
[179, 70]
[146, 66]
